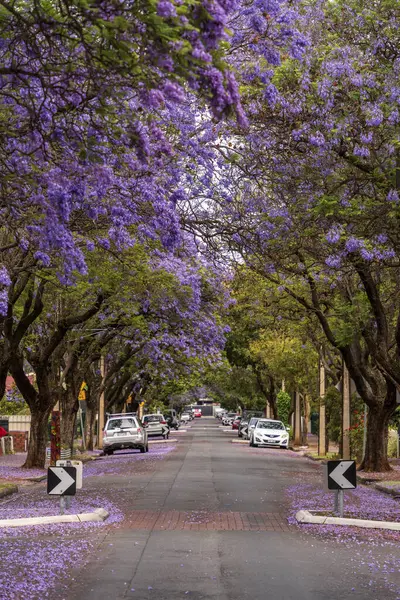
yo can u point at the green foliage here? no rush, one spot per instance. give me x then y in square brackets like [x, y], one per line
[8, 407]
[283, 404]
[392, 443]
[154, 406]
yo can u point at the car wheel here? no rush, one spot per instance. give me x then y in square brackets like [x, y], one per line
[142, 450]
[147, 448]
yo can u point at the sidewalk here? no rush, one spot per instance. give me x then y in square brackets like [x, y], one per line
[312, 445]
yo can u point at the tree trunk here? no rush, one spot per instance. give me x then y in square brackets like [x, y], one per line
[90, 426]
[37, 439]
[376, 459]
[68, 420]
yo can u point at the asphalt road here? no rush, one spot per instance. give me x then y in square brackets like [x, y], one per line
[210, 523]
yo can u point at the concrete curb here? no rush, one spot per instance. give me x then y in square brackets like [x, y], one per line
[386, 489]
[163, 441]
[239, 442]
[10, 488]
[100, 514]
[304, 516]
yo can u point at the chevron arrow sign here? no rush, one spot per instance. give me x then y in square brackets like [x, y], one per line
[61, 481]
[341, 475]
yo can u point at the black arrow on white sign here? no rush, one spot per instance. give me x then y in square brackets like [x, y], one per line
[61, 481]
[342, 475]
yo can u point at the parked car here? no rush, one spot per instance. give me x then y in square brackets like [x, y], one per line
[171, 416]
[243, 426]
[124, 430]
[218, 412]
[246, 431]
[229, 418]
[236, 422]
[220, 415]
[269, 432]
[197, 412]
[156, 425]
[185, 417]
[248, 417]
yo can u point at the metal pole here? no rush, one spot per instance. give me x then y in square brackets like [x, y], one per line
[62, 505]
[82, 429]
[341, 498]
[336, 502]
[100, 422]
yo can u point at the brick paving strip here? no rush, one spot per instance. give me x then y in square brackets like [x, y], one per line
[173, 520]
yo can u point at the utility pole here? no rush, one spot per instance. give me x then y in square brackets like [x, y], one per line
[100, 421]
[322, 413]
[346, 393]
[297, 419]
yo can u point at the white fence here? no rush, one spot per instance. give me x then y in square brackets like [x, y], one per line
[18, 422]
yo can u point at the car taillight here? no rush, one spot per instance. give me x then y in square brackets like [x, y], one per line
[163, 422]
[139, 430]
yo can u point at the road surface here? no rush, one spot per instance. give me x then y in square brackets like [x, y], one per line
[211, 523]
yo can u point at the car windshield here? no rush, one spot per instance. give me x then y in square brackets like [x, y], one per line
[152, 419]
[270, 425]
[253, 421]
[121, 424]
[232, 415]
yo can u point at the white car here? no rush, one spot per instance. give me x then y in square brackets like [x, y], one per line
[124, 430]
[185, 418]
[249, 428]
[269, 432]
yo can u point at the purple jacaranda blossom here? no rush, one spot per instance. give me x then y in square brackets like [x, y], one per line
[4, 277]
[333, 261]
[166, 9]
[354, 244]
[374, 116]
[393, 196]
[333, 236]
[317, 139]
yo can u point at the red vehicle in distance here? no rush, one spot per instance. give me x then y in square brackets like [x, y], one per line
[236, 422]
[197, 412]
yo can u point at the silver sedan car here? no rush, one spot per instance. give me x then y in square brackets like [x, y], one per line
[269, 432]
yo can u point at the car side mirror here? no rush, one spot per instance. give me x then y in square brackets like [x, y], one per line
[287, 428]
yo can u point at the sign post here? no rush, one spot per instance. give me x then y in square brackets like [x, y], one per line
[340, 475]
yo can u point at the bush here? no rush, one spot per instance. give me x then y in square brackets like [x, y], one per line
[392, 443]
[283, 405]
[13, 407]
